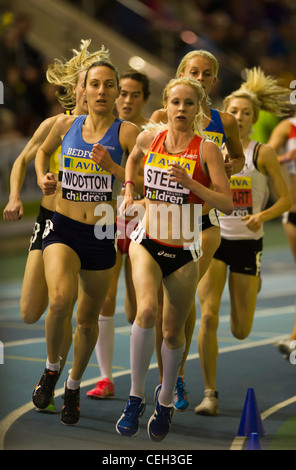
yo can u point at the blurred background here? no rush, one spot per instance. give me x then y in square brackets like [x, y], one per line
[151, 36]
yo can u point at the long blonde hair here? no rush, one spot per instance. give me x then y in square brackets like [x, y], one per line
[65, 73]
[199, 52]
[197, 125]
[264, 92]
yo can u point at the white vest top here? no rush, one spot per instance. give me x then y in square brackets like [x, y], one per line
[250, 193]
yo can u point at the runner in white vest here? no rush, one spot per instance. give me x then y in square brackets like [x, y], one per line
[242, 231]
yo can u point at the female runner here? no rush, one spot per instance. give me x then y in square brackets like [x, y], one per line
[34, 295]
[79, 240]
[221, 128]
[241, 232]
[179, 167]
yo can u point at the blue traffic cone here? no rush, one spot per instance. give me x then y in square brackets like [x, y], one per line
[254, 442]
[251, 421]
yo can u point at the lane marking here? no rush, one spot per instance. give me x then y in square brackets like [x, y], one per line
[21, 342]
[266, 312]
[6, 304]
[36, 359]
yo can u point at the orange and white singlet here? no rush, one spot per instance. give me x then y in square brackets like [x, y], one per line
[158, 186]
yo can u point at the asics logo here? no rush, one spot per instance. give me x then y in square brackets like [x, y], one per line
[166, 255]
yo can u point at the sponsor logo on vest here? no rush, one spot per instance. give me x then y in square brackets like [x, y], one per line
[83, 196]
[164, 195]
[78, 152]
[82, 166]
[215, 137]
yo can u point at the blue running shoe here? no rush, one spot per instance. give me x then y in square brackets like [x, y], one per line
[128, 423]
[181, 401]
[160, 422]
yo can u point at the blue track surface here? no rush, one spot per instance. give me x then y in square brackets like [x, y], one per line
[252, 363]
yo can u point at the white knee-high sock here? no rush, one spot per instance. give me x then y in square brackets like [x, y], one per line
[142, 344]
[105, 346]
[171, 361]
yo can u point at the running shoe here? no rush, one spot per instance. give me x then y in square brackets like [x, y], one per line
[71, 409]
[128, 423]
[50, 409]
[103, 389]
[44, 390]
[209, 405]
[285, 347]
[181, 401]
[160, 422]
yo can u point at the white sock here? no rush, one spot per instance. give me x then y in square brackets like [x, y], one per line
[171, 361]
[53, 366]
[142, 344]
[105, 346]
[72, 384]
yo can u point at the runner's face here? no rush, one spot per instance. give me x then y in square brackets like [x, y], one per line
[181, 106]
[101, 89]
[201, 68]
[242, 110]
[131, 99]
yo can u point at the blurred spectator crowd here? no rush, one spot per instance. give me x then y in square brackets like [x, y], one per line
[28, 98]
[240, 34]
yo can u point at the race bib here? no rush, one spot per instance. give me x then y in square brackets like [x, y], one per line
[158, 186]
[85, 181]
[241, 188]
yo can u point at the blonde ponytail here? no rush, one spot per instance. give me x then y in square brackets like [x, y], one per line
[65, 73]
[265, 93]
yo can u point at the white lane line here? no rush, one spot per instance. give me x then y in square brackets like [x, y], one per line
[12, 303]
[21, 342]
[267, 312]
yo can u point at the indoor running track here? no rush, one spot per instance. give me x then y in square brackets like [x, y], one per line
[252, 363]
